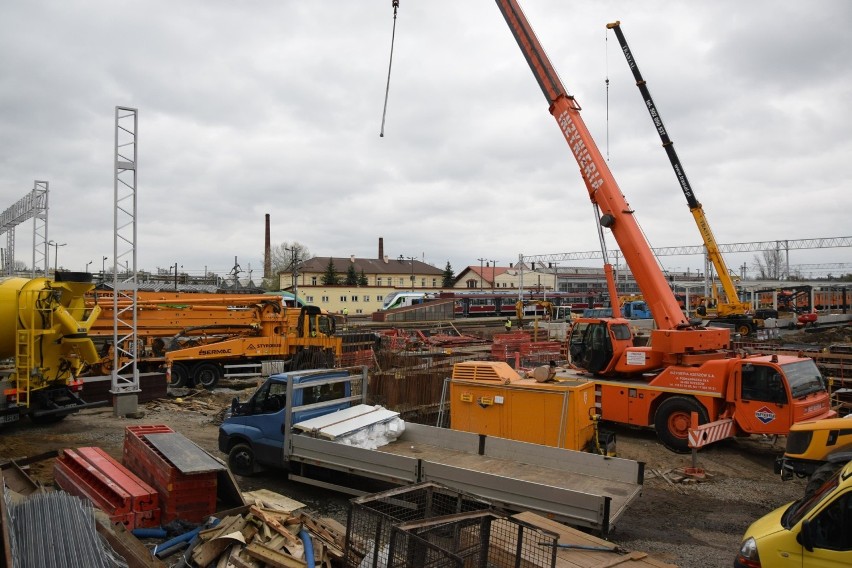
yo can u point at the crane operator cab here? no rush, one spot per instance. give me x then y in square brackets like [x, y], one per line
[595, 345]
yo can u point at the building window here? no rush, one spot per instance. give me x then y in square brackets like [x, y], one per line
[309, 299]
[366, 298]
[423, 283]
[324, 299]
[434, 283]
[359, 311]
[402, 281]
[378, 280]
[313, 280]
[354, 298]
[342, 298]
[380, 298]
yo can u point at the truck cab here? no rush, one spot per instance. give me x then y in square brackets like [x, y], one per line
[815, 531]
[252, 435]
[636, 309]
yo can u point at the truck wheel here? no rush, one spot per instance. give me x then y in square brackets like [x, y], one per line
[241, 460]
[207, 375]
[820, 476]
[744, 329]
[673, 419]
[180, 375]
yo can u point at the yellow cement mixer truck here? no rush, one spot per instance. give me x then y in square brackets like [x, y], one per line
[44, 345]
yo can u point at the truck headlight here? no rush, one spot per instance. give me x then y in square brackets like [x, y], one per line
[748, 556]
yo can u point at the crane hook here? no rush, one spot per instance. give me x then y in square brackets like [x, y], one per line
[395, 4]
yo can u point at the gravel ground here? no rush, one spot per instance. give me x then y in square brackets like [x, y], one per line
[691, 525]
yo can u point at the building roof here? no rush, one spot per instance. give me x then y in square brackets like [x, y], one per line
[369, 265]
[487, 273]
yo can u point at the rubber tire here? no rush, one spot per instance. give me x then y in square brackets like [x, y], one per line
[180, 375]
[241, 460]
[206, 375]
[673, 419]
[820, 476]
[745, 329]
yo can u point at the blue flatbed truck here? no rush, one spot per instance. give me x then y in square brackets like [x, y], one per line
[577, 488]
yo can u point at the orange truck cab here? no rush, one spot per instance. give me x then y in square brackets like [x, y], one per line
[763, 394]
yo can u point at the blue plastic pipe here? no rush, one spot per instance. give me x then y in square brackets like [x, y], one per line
[185, 537]
[149, 533]
[309, 547]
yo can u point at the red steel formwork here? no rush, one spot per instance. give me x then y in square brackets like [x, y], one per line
[186, 496]
[93, 474]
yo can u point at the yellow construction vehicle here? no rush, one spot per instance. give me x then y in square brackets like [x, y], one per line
[45, 333]
[730, 310]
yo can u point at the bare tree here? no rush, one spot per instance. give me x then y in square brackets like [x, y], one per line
[769, 264]
[285, 257]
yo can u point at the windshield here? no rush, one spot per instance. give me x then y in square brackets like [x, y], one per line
[804, 378]
[798, 510]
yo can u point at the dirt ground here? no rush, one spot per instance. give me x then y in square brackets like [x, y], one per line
[688, 524]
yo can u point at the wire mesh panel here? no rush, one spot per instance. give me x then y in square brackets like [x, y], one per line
[372, 518]
[472, 540]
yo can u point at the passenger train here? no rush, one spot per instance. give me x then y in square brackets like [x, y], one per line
[496, 303]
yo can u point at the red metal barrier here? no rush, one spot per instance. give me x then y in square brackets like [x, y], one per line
[93, 474]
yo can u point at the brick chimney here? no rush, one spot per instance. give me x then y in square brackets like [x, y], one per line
[381, 248]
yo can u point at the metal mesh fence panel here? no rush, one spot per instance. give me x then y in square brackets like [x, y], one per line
[478, 539]
[372, 518]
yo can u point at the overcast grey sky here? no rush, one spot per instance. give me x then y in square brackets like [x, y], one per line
[256, 107]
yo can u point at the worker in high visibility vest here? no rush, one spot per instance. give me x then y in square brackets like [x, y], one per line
[508, 325]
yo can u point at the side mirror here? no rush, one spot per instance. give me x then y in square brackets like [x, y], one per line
[806, 536]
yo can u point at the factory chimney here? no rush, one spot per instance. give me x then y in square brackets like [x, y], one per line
[267, 252]
[381, 248]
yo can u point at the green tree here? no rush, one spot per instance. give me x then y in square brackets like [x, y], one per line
[448, 276]
[330, 277]
[362, 278]
[351, 276]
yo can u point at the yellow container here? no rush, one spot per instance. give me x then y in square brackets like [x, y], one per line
[491, 398]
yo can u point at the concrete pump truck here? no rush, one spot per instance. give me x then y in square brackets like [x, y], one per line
[685, 370]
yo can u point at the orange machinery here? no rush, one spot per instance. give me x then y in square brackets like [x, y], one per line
[199, 333]
[684, 370]
[491, 398]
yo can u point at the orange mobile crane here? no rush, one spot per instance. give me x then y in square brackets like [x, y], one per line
[731, 310]
[684, 370]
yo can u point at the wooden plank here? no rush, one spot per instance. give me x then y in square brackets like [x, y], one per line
[206, 553]
[575, 558]
[183, 453]
[273, 523]
[272, 500]
[274, 557]
[629, 557]
[128, 546]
